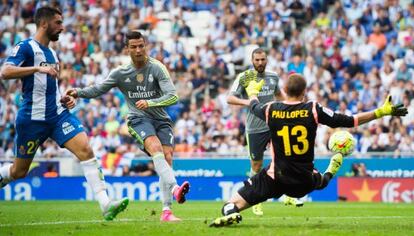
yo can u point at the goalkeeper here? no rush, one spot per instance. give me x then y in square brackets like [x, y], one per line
[293, 125]
[257, 133]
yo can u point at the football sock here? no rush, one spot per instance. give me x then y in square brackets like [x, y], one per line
[164, 171]
[95, 178]
[166, 195]
[325, 178]
[5, 175]
[229, 208]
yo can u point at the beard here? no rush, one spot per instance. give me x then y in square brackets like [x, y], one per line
[260, 69]
[53, 36]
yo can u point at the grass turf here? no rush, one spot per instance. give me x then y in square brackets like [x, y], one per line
[142, 218]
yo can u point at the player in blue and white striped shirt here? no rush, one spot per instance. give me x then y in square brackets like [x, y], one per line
[42, 115]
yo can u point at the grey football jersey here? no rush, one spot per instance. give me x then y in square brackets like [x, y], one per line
[267, 94]
[151, 83]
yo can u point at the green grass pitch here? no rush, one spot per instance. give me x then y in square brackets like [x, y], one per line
[142, 218]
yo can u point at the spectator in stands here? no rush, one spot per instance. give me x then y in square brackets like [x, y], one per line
[297, 65]
[378, 38]
[51, 171]
[143, 169]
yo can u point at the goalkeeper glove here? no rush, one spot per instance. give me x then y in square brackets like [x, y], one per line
[250, 75]
[390, 109]
[254, 88]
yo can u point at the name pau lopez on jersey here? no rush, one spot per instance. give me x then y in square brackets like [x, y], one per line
[290, 114]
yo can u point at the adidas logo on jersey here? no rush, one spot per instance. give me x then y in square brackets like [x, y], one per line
[128, 80]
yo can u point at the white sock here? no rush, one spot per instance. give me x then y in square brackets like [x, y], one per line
[164, 171]
[252, 173]
[166, 195]
[5, 175]
[95, 178]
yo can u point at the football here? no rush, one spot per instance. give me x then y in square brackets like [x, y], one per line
[342, 142]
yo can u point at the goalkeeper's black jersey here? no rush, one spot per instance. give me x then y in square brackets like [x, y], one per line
[293, 131]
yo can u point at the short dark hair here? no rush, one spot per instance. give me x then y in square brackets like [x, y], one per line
[257, 51]
[133, 34]
[45, 13]
[296, 85]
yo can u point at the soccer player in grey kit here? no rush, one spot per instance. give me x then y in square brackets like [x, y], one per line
[257, 131]
[147, 88]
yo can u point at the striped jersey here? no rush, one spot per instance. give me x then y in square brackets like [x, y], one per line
[41, 95]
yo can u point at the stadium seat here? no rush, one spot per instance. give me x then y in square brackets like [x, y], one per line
[248, 53]
[164, 15]
[163, 30]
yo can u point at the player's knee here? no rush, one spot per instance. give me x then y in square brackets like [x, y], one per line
[18, 173]
[229, 208]
[85, 153]
[153, 148]
[168, 157]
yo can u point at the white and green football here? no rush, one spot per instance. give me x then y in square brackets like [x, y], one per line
[342, 142]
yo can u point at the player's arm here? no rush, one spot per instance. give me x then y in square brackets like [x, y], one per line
[387, 109]
[341, 120]
[234, 100]
[257, 108]
[332, 119]
[235, 94]
[167, 87]
[12, 67]
[95, 90]
[9, 71]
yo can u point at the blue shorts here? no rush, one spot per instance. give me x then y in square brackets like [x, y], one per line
[30, 134]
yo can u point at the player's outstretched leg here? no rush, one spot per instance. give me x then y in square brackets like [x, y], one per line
[257, 209]
[168, 216]
[166, 198]
[179, 192]
[114, 208]
[290, 201]
[231, 216]
[335, 164]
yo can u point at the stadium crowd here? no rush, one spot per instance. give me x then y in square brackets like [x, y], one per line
[352, 54]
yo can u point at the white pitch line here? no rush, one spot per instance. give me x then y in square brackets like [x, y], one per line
[203, 219]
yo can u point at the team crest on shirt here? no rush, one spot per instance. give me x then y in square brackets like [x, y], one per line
[150, 78]
[140, 78]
